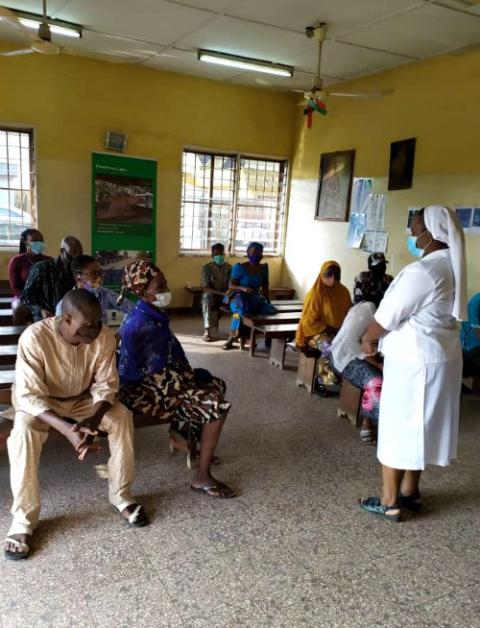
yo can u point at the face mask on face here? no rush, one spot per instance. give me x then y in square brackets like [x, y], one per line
[254, 258]
[219, 259]
[162, 299]
[37, 247]
[412, 246]
[92, 285]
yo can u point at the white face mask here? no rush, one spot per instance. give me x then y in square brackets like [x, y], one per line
[162, 299]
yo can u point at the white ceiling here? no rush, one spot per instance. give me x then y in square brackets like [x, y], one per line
[364, 36]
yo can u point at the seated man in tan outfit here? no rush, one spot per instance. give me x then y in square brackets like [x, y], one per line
[66, 378]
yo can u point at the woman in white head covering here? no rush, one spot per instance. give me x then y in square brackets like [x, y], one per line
[418, 328]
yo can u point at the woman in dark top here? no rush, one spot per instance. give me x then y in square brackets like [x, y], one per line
[30, 252]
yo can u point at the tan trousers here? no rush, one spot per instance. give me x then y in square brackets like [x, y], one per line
[25, 446]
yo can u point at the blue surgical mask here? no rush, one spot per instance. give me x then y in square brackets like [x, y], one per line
[412, 246]
[219, 259]
[37, 247]
[254, 258]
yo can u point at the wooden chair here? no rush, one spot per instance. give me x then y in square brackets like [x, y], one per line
[349, 404]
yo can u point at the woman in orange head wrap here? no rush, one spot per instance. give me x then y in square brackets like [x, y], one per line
[324, 310]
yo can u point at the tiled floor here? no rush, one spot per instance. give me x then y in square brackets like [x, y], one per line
[293, 550]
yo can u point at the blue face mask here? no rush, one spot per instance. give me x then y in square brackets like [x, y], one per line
[254, 258]
[412, 246]
[37, 247]
[219, 259]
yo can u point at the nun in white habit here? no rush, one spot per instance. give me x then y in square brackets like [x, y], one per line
[417, 325]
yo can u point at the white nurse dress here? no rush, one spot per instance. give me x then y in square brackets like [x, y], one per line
[420, 402]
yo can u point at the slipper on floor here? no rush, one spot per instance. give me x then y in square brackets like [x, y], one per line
[218, 490]
[23, 547]
[375, 507]
[136, 519]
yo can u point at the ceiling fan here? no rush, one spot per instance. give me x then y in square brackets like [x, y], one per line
[315, 97]
[42, 42]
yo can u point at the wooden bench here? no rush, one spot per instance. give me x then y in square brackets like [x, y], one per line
[6, 379]
[5, 303]
[276, 302]
[197, 291]
[288, 307]
[10, 334]
[8, 354]
[6, 317]
[253, 321]
[279, 334]
[307, 369]
[139, 420]
[349, 403]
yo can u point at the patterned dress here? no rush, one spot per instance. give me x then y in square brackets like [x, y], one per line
[368, 288]
[156, 378]
[216, 277]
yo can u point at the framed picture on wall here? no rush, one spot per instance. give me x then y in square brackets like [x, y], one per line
[335, 186]
[402, 157]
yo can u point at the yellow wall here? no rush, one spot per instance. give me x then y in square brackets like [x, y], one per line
[435, 101]
[71, 102]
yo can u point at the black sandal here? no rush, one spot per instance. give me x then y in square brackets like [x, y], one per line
[23, 547]
[222, 490]
[136, 519]
[411, 502]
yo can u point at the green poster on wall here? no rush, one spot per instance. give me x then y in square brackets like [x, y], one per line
[124, 201]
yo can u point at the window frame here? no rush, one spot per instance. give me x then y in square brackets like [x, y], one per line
[31, 130]
[237, 155]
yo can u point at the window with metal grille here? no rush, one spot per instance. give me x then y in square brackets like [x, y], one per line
[233, 199]
[17, 184]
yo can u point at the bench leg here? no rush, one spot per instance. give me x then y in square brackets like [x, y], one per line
[253, 340]
[277, 352]
[307, 371]
[349, 403]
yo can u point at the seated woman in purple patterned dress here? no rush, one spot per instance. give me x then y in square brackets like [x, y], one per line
[156, 378]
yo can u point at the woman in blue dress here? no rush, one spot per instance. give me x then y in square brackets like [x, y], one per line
[248, 290]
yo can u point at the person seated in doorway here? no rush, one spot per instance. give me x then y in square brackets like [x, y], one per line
[470, 338]
[50, 280]
[156, 378]
[31, 250]
[88, 275]
[248, 290]
[361, 371]
[66, 373]
[372, 284]
[214, 281]
[324, 310]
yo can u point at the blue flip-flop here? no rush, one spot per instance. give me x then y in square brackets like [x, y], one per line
[374, 506]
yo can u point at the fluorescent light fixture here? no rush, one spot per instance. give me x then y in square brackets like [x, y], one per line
[245, 63]
[59, 28]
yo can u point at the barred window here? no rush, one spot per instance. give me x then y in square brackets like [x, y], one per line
[17, 184]
[233, 199]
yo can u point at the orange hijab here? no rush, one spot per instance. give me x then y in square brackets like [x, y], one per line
[323, 307]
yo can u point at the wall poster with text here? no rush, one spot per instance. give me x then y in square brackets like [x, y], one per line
[124, 201]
